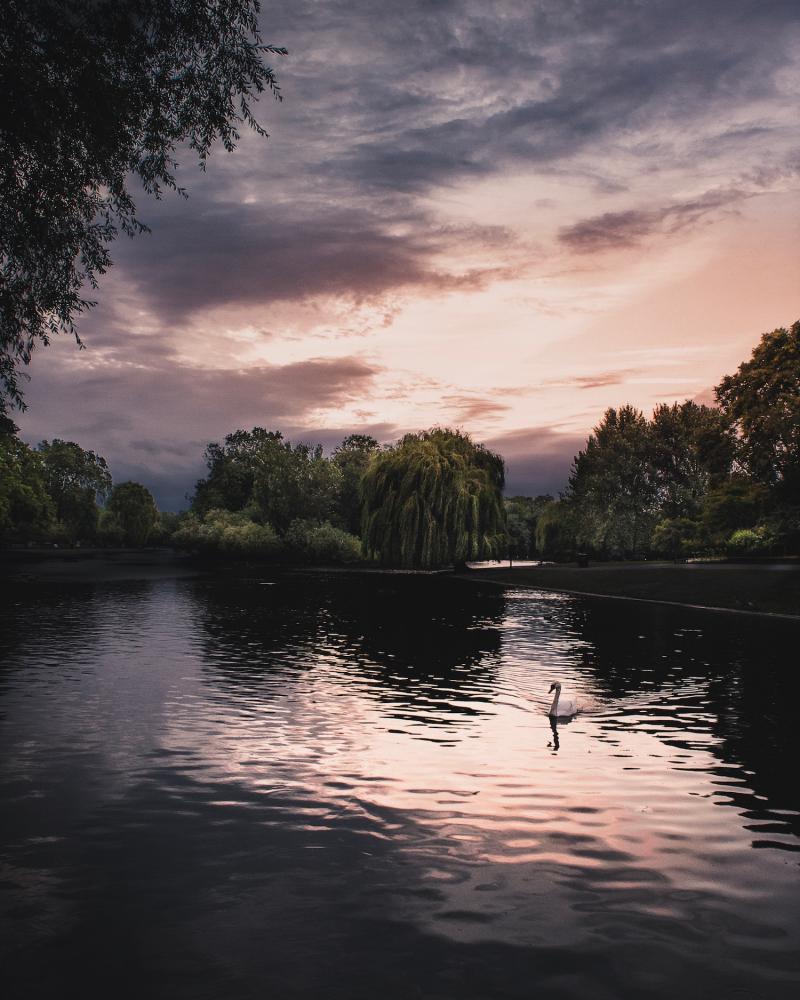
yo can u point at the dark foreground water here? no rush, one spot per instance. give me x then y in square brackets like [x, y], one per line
[350, 789]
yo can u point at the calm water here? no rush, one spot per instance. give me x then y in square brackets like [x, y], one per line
[337, 788]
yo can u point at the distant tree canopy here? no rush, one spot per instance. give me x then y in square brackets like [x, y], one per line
[50, 495]
[433, 500]
[522, 517]
[135, 511]
[261, 471]
[693, 478]
[232, 470]
[95, 92]
[612, 483]
[266, 498]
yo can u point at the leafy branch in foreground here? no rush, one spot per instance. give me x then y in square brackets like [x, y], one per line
[94, 92]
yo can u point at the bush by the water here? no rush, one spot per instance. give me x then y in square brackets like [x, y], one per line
[320, 541]
[227, 533]
[238, 535]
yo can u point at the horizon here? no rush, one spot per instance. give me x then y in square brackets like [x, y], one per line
[504, 221]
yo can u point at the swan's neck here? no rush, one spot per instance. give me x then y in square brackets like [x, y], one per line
[554, 706]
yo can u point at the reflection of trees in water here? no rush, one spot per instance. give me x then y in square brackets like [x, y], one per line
[416, 639]
[743, 670]
[53, 624]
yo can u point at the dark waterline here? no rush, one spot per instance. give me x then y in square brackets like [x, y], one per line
[311, 787]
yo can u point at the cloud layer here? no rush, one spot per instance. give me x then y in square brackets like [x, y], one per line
[463, 214]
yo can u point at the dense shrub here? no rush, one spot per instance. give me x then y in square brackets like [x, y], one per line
[227, 533]
[676, 537]
[750, 541]
[320, 541]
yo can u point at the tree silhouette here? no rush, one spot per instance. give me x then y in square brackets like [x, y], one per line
[95, 92]
[763, 402]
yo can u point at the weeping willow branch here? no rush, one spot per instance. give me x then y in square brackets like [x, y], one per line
[433, 500]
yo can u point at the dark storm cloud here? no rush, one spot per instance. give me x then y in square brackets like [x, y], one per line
[538, 459]
[435, 92]
[153, 424]
[231, 255]
[184, 394]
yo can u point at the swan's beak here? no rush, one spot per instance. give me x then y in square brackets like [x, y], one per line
[552, 688]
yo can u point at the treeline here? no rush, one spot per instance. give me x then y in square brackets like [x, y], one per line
[264, 497]
[432, 499]
[691, 480]
[60, 494]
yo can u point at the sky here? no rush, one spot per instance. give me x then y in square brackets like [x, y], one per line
[503, 217]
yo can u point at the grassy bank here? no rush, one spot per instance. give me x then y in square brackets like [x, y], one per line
[769, 587]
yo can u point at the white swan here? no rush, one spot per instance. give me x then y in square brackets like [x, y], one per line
[561, 709]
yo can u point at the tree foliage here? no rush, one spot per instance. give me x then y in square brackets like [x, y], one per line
[27, 511]
[135, 510]
[227, 533]
[96, 92]
[232, 470]
[691, 448]
[352, 458]
[613, 484]
[762, 400]
[432, 500]
[522, 517]
[556, 530]
[294, 482]
[75, 479]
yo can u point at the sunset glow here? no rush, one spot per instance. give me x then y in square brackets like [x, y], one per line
[503, 218]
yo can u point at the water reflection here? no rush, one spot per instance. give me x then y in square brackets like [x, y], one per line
[706, 678]
[410, 644]
[343, 787]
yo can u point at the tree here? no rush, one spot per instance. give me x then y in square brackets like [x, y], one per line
[26, 509]
[691, 449]
[75, 479]
[352, 458]
[556, 529]
[613, 485]
[676, 537]
[522, 515]
[736, 503]
[232, 469]
[96, 92]
[762, 400]
[294, 482]
[135, 510]
[432, 500]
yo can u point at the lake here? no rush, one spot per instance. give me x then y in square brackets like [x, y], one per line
[348, 787]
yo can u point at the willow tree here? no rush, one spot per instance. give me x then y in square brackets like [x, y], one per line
[432, 500]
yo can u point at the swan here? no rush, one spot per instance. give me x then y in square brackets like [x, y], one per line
[561, 709]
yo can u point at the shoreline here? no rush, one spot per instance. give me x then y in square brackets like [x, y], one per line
[90, 565]
[768, 590]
